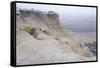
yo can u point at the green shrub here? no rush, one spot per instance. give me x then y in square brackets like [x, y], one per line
[33, 32]
[25, 27]
[28, 28]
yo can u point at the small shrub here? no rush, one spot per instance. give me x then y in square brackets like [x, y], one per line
[33, 32]
[25, 27]
[28, 28]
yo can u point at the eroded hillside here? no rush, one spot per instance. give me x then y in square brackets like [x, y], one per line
[42, 39]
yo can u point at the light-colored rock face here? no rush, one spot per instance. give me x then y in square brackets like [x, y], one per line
[41, 39]
[42, 20]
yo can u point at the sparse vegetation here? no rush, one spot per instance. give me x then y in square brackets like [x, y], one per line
[92, 47]
[33, 32]
[28, 28]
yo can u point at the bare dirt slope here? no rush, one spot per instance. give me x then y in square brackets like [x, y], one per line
[41, 39]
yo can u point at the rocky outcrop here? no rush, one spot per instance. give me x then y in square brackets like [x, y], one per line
[46, 21]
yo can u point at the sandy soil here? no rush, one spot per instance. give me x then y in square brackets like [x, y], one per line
[49, 50]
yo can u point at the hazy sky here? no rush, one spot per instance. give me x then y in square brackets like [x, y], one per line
[60, 9]
[73, 12]
[68, 14]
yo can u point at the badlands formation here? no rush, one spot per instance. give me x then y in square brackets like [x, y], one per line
[41, 39]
